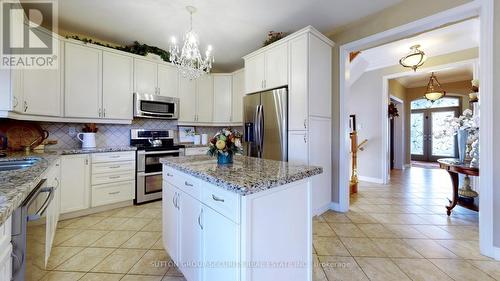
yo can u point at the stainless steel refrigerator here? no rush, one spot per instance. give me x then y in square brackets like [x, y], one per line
[266, 124]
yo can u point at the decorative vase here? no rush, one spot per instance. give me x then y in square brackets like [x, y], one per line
[223, 159]
[462, 136]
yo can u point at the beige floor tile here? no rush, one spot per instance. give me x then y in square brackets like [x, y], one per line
[322, 229]
[375, 230]
[142, 240]
[154, 262]
[433, 231]
[341, 268]
[92, 276]
[360, 218]
[318, 219]
[109, 223]
[85, 238]
[421, 270]
[492, 268]
[347, 230]
[329, 246]
[120, 261]
[158, 244]
[66, 222]
[442, 219]
[62, 276]
[63, 234]
[398, 218]
[362, 247]
[461, 270]
[318, 272]
[85, 260]
[382, 269]
[396, 248]
[58, 255]
[405, 231]
[430, 249]
[150, 213]
[462, 232]
[174, 271]
[105, 214]
[85, 222]
[141, 278]
[464, 249]
[331, 216]
[127, 212]
[134, 224]
[154, 225]
[114, 239]
[175, 278]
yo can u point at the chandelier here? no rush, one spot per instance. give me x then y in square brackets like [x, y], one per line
[434, 91]
[188, 59]
[414, 59]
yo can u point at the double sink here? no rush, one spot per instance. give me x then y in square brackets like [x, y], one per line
[11, 165]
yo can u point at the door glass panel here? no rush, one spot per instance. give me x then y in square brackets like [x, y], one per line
[442, 145]
[417, 133]
[440, 103]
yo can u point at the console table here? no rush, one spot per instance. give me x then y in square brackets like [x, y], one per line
[454, 167]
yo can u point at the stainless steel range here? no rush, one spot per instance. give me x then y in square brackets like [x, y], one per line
[151, 146]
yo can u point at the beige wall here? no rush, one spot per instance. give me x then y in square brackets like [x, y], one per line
[396, 89]
[399, 14]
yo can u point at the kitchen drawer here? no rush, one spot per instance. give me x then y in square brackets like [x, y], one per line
[184, 182]
[112, 193]
[225, 202]
[196, 151]
[113, 156]
[112, 167]
[5, 233]
[113, 177]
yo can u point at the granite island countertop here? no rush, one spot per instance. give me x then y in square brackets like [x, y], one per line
[247, 175]
[16, 185]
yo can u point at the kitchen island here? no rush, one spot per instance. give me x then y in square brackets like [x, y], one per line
[251, 220]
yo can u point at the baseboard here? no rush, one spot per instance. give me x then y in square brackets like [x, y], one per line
[370, 179]
[322, 209]
[94, 210]
[406, 166]
[496, 253]
[334, 206]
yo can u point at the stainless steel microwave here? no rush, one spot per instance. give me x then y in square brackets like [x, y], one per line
[155, 106]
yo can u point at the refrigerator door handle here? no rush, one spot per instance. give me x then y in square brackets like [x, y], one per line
[261, 129]
[256, 130]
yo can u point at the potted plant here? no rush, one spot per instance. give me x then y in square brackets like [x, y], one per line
[224, 145]
[466, 127]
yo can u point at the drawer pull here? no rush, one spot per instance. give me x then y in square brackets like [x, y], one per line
[187, 183]
[114, 156]
[114, 167]
[169, 175]
[217, 198]
[114, 177]
[113, 193]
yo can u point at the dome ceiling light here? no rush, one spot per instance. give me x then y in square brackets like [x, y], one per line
[414, 59]
[434, 91]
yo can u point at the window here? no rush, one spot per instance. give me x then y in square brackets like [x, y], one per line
[444, 102]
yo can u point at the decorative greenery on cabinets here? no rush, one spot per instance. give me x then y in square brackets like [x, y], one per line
[136, 48]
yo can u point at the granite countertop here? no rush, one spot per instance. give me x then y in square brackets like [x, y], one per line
[17, 184]
[247, 175]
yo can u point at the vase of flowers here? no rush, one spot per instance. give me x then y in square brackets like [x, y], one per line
[224, 145]
[466, 128]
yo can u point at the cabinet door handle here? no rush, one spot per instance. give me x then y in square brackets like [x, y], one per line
[100, 113]
[113, 193]
[173, 200]
[58, 183]
[16, 102]
[169, 175]
[177, 201]
[305, 138]
[200, 223]
[104, 112]
[217, 198]
[187, 184]
[86, 161]
[305, 123]
[25, 106]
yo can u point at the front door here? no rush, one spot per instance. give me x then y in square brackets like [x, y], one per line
[427, 142]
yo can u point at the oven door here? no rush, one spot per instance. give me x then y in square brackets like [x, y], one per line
[154, 106]
[149, 174]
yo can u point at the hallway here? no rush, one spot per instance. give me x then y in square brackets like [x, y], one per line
[400, 231]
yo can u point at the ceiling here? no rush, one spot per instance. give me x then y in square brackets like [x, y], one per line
[233, 27]
[453, 38]
[444, 75]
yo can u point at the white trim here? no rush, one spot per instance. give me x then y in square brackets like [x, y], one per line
[482, 8]
[496, 253]
[385, 144]
[26, 117]
[396, 99]
[335, 207]
[322, 209]
[371, 179]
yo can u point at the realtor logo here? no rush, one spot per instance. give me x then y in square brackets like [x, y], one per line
[26, 34]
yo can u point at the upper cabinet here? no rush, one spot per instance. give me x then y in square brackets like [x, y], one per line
[237, 99]
[168, 80]
[117, 95]
[267, 69]
[222, 98]
[83, 81]
[298, 86]
[187, 97]
[205, 99]
[145, 77]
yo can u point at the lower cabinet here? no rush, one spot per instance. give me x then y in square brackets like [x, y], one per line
[5, 251]
[298, 148]
[190, 229]
[75, 183]
[170, 225]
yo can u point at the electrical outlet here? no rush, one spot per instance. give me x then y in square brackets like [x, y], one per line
[72, 131]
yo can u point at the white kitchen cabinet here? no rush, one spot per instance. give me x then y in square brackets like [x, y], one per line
[41, 90]
[219, 246]
[75, 183]
[5, 90]
[168, 80]
[255, 73]
[52, 213]
[190, 227]
[267, 69]
[238, 93]
[83, 81]
[298, 87]
[145, 77]
[222, 98]
[205, 99]
[276, 67]
[170, 221]
[298, 148]
[187, 99]
[117, 93]
[5, 250]
[320, 136]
